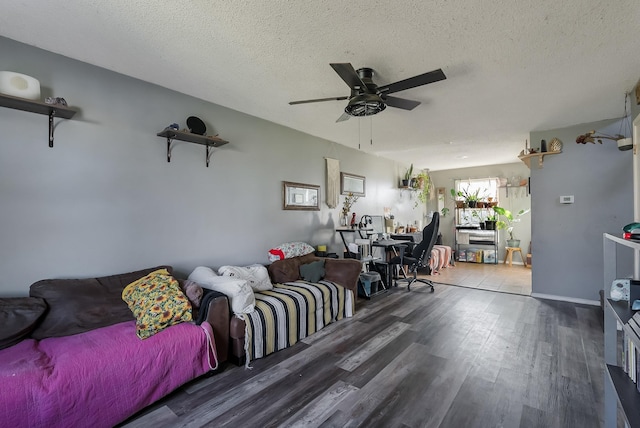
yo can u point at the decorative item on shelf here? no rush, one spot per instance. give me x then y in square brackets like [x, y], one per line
[555, 145]
[173, 126]
[55, 101]
[506, 220]
[349, 200]
[543, 146]
[19, 85]
[406, 181]
[353, 221]
[196, 125]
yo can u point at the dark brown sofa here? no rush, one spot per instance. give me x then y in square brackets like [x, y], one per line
[344, 272]
[69, 355]
[78, 305]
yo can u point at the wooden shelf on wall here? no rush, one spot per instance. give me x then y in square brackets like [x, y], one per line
[206, 140]
[527, 158]
[38, 107]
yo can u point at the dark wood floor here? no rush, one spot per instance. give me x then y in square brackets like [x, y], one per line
[459, 357]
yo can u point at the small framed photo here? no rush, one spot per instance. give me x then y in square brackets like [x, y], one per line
[299, 196]
[351, 183]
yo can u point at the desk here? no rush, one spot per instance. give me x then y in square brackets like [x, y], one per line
[389, 246]
[362, 233]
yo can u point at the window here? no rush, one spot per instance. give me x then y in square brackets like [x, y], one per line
[484, 188]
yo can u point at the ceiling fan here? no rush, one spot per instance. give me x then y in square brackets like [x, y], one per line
[367, 98]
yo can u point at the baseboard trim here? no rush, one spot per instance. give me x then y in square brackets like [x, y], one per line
[566, 299]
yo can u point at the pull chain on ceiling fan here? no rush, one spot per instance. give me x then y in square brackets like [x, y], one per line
[367, 98]
[370, 132]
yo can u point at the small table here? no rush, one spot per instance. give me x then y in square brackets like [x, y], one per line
[509, 255]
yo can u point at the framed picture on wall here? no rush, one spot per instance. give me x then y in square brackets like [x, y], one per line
[299, 196]
[351, 183]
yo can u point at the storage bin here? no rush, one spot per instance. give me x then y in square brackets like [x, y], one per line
[489, 256]
[369, 283]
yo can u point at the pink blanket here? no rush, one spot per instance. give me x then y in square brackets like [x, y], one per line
[440, 257]
[98, 378]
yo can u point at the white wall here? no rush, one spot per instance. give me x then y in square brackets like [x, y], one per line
[104, 200]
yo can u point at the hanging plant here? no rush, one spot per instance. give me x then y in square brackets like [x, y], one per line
[424, 188]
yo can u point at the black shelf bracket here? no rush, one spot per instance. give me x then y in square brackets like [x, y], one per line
[51, 110]
[52, 114]
[169, 144]
[210, 142]
[209, 153]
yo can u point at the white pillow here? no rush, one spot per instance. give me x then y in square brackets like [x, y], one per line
[256, 275]
[202, 274]
[240, 294]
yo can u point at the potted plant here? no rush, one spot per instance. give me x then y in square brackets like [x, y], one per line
[407, 176]
[490, 222]
[349, 200]
[506, 221]
[423, 184]
[471, 198]
[458, 198]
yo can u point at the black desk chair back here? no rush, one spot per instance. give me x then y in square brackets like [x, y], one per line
[420, 254]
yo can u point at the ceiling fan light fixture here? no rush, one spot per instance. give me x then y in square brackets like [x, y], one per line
[365, 105]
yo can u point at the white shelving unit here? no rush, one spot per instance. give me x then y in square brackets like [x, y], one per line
[469, 237]
[618, 387]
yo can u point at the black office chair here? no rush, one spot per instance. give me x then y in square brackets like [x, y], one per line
[419, 256]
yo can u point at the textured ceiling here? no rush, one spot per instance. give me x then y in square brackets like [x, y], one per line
[512, 66]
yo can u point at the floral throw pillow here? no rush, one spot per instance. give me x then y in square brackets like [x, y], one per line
[156, 302]
[288, 250]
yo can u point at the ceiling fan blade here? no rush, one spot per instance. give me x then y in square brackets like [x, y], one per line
[342, 118]
[318, 100]
[401, 103]
[412, 82]
[349, 75]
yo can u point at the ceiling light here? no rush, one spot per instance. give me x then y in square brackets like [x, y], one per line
[365, 105]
